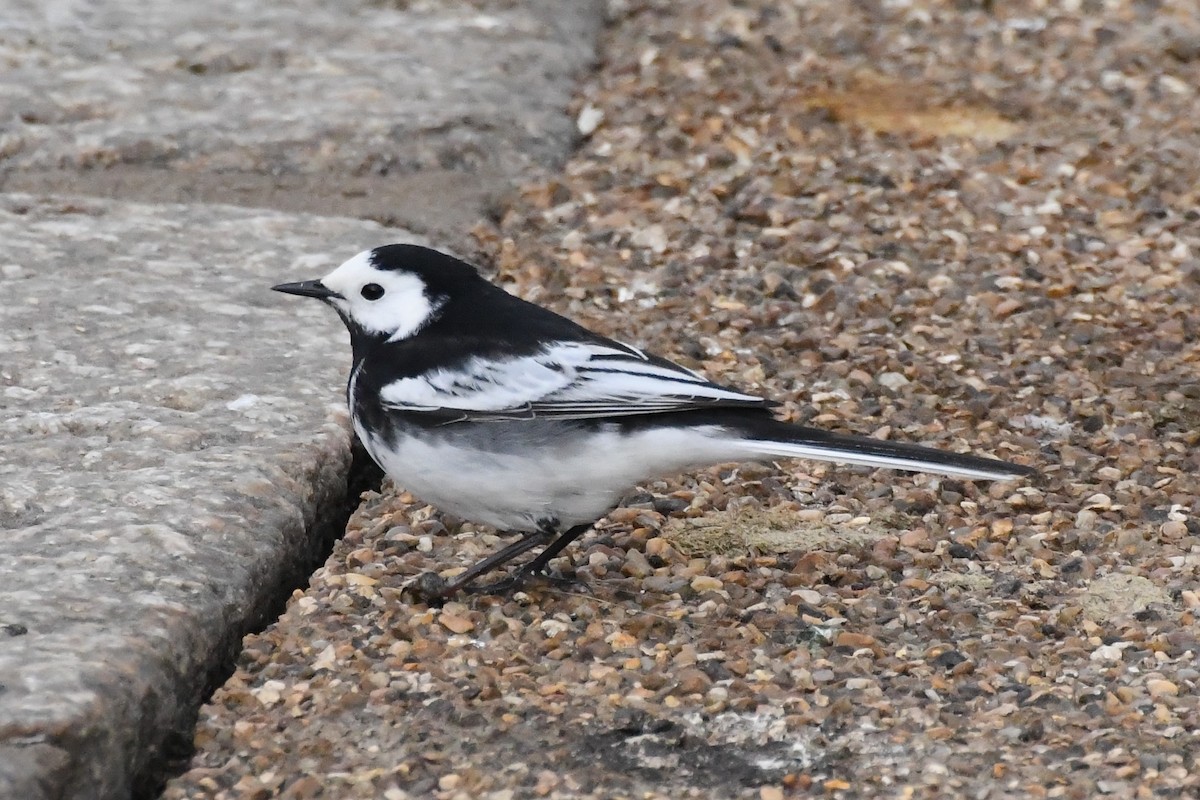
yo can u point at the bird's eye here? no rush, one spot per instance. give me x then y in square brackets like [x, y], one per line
[372, 291]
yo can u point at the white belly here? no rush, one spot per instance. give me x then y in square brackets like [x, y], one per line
[514, 485]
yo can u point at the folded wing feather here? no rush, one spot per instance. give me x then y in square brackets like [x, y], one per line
[566, 380]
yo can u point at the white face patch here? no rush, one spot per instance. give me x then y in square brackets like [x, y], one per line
[402, 309]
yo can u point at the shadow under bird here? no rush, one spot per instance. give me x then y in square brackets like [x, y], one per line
[502, 412]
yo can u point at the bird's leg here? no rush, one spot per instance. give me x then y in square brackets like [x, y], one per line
[539, 563]
[522, 574]
[439, 589]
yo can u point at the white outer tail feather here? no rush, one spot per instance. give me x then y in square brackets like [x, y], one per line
[909, 464]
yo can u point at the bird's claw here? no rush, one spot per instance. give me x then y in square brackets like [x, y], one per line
[432, 588]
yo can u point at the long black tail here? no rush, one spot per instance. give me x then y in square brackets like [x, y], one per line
[796, 441]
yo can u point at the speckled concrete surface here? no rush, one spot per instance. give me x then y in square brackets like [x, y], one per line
[414, 114]
[304, 86]
[169, 434]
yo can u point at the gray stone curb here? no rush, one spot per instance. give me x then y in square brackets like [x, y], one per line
[170, 438]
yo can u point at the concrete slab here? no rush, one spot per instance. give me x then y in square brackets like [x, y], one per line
[426, 111]
[299, 87]
[170, 434]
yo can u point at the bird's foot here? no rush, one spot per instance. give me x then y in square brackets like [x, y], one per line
[434, 590]
[568, 583]
[524, 576]
[514, 581]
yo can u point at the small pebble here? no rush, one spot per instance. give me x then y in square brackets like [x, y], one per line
[455, 623]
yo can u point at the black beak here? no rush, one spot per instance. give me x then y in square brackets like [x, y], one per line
[306, 289]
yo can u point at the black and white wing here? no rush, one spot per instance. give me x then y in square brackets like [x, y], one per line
[564, 380]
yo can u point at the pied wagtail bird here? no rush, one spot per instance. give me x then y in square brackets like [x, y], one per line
[502, 412]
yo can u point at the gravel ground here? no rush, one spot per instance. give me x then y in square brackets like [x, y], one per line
[973, 225]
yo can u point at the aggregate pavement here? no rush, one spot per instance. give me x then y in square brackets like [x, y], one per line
[969, 224]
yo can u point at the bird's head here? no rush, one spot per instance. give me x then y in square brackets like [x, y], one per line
[392, 292]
